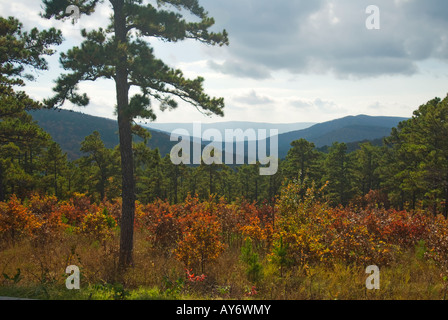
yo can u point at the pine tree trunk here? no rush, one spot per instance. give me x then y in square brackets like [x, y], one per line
[125, 134]
[128, 195]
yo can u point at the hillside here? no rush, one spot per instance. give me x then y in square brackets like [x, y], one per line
[349, 130]
[232, 125]
[70, 128]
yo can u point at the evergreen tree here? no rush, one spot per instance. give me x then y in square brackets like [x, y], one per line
[150, 178]
[103, 160]
[20, 50]
[421, 156]
[338, 173]
[301, 161]
[121, 53]
[367, 161]
[55, 165]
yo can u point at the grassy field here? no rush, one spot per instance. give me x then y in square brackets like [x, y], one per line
[42, 276]
[299, 249]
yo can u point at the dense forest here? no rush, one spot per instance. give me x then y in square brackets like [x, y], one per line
[407, 171]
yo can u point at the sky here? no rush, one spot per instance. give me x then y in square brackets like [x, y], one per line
[288, 60]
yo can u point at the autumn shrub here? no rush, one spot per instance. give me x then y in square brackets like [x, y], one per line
[239, 243]
[114, 209]
[372, 200]
[98, 225]
[70, 215]
[304, 225]
[16, 221]
[254, 231]
[201, 241]
[46, 209]
[267, 213]
[42, 205]
[437, 242]
[161, 220]
[354, 242]
[405, 229]
[255, 224]
[313, 232]
[243, 220]
[75, 209]
[228, 216]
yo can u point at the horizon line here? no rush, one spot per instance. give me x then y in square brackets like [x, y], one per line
[228, 121]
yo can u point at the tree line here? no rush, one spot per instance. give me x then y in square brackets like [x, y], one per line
[409, 171]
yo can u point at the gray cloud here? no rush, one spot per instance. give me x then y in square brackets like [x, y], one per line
[242, 69]
[301, 104]
[253, 98]
[316, 104]
[323, 36]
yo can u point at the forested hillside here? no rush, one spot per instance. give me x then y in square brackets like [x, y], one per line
[69, 129]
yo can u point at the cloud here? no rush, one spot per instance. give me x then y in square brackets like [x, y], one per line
[301, 104]
[253, 98]
[241, 69]
[305, 37]
[315, 43]
[317, 105]
[27, 11]
[329, 36]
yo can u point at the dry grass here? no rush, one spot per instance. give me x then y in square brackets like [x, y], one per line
[154, 275]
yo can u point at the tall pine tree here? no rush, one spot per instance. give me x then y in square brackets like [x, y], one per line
[20, 51]
[121, 53]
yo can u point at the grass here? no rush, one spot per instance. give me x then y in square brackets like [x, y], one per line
[158, 276]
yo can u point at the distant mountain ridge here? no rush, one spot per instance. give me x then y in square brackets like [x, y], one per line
[69, 129]
[348, 129]
[232, 125]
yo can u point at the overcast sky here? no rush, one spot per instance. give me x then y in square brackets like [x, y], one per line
[289, 60]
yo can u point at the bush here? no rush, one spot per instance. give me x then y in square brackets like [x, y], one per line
[16, 221]
[98, 225]
[201, 241]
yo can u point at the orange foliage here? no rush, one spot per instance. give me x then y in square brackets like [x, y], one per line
[46, 210]
[161, 220]
[74, 210]
[16, 220]
[301, 229]
[201, 239]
